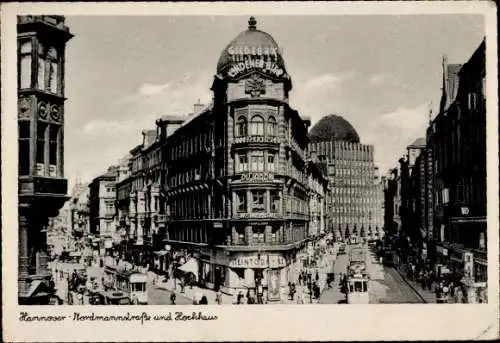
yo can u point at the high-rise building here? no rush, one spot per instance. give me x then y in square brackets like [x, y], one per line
[41, 60]
[357, 193]
[236, 174]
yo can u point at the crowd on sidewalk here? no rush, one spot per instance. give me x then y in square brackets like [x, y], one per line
[443, 288]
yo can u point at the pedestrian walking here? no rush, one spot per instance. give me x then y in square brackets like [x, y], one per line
[292, 291]
[203, 300]
[218, 297]
[172, 298]
[239, 299]
[300, 279]
[300, 299]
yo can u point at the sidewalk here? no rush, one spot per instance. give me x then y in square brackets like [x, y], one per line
[191, 293]
[426, 295]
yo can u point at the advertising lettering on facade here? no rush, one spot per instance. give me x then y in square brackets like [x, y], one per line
[257, 177]
[249, 262]
[277, 261]
[257, 215]
[246, 58]
[256, 139]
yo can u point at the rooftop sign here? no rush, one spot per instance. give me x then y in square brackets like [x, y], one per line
[248, 58]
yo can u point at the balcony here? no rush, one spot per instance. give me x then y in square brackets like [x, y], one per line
[271, 245]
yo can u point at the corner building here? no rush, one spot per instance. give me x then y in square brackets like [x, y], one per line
[236, 174]
[356, 202]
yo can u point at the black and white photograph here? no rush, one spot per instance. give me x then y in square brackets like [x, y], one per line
[252, 159]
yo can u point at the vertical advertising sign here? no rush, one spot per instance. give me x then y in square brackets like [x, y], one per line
[468, 264]
[273, 286]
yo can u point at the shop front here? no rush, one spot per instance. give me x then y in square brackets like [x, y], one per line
[231, 272]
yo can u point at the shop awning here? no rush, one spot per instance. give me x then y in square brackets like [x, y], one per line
[191, 266]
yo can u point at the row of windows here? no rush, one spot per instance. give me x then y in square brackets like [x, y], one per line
[353, 210]
[189, 234]
[355, 191]
[190, 175]
[256, 161]
[190, 145]
[258, 126]
[258, 201]
[47, 140]
[351, 171]
[354, 164]
[152, 159]
[257, 235]
[194, 205]
[47, 65]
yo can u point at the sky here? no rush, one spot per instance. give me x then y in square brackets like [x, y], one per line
[381, 73]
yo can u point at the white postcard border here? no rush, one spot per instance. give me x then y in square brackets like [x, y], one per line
[276, 322]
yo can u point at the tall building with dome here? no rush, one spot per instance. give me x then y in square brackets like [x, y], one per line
[235, 175]
[356, 203]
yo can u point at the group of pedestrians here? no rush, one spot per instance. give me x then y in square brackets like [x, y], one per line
[446, 287]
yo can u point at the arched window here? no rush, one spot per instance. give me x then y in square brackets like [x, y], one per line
[257, 126]
[53, 72]
[271, 127]
[241, 127]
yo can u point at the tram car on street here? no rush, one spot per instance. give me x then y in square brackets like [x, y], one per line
[357, 289]
[130, 282]
[356, 286]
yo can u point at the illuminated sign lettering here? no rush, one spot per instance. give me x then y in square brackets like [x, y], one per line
[235, 51]
[247, 58]
[257, 177]
[249, 262]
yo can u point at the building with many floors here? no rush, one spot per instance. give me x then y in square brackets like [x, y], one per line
[79, 207]
[139, 200]
[457, 137]
[102, 211]
[41, 45]
[356, 206]
[236, 174]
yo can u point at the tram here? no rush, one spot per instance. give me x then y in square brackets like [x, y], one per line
[130, 282]
[357, 277]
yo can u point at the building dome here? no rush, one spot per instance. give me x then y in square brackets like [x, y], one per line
[333, 127]
[250, 42]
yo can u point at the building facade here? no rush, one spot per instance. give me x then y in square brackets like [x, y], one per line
[42, 188]
[318, 195]
[103, 212]
[357, 194]
[79, 207]
[236, 174]
[457, 137]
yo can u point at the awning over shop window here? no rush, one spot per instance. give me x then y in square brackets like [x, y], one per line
[191, 266]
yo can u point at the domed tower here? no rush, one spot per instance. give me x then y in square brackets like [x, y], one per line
[259, 161]
[356, 201]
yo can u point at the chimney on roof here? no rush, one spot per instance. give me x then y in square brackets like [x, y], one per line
[149, 137]
[307, 122]
[198, 107]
